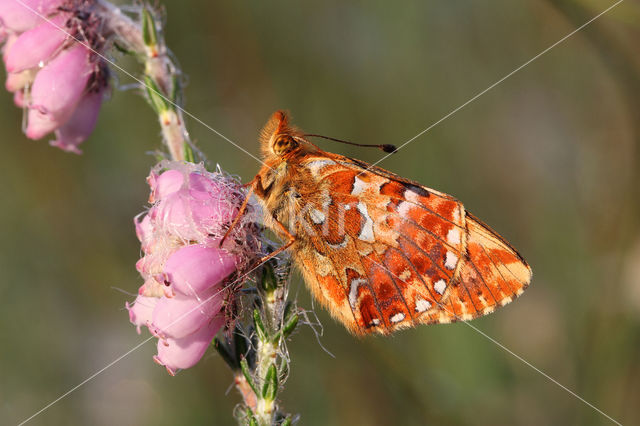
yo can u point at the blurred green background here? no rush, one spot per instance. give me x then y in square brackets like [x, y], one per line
[550, 158]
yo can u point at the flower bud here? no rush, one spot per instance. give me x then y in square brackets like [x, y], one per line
[23, 15]
[81, 123]
[33, 48]
[176, 354]
[58, 87]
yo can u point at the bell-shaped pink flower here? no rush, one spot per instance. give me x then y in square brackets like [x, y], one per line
[176, 354]
[57, 89]
[181, 315]
[81, 123]
[34, 47]
[194, 269]
[165, 184]
[197, 209]
[141, 312]
[22, 15]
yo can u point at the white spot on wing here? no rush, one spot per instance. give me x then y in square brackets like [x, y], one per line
[404, 207]
[450, 261]
[422, 305]
[456, 214]
[366, 233]
[375, 322]
[454, 236]
[316, 165]
[397, 317]
[440, 286]
[411, 196]
[317, 216]
[353, 291]
[358, 186]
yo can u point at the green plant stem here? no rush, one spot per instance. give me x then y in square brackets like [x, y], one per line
[158, 68]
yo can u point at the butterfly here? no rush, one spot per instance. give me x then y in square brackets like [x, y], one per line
[379, 251]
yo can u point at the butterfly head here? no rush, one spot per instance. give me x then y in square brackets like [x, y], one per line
[279, 139]
[283, 144]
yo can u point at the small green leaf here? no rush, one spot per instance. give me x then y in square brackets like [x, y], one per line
[175, 89]
[154, 95]
[149, 33]
[247, 375]
[270, 387]
[287, 421]
[284, 368]
[122, 48]
[257, 319]
[289, 307]
[290, 325]
[188, 153]
[249, 416]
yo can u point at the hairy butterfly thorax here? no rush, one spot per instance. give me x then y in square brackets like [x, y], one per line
[381, 252]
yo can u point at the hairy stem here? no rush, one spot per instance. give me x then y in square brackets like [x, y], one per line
[144, 39]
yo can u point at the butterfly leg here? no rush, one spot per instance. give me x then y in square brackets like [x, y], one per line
[243, 208]
[290, 240]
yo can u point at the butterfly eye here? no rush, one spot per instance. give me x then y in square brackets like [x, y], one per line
[283, 144]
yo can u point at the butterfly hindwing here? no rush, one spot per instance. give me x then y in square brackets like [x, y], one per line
[400, 254]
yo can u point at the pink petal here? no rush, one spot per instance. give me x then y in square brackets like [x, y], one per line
[58, 86]
[203, 184]
[164, 185]
[141, 311]
[173, 216]
[39, 124]
[181, 315]
[36, 46]
[19, 100]
[9, 39]
[144, 229]
[19, 17]
[194, 269]
[19, 80]
[82, 122]
[176, 354]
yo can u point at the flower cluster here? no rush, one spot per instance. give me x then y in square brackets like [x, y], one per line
[185, 298]
[60, 81]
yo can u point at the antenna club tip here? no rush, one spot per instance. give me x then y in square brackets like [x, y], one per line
[389, 148]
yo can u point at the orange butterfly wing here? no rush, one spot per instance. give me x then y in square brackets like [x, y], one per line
[383, 253]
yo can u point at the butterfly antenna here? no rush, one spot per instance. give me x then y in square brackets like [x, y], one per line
[385, 147]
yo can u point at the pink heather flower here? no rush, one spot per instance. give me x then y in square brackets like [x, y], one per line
[59, 81]
[81, 123]
[186, 272]
[56, 91]
[36, 45]
[177, 354]
[14, 16]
